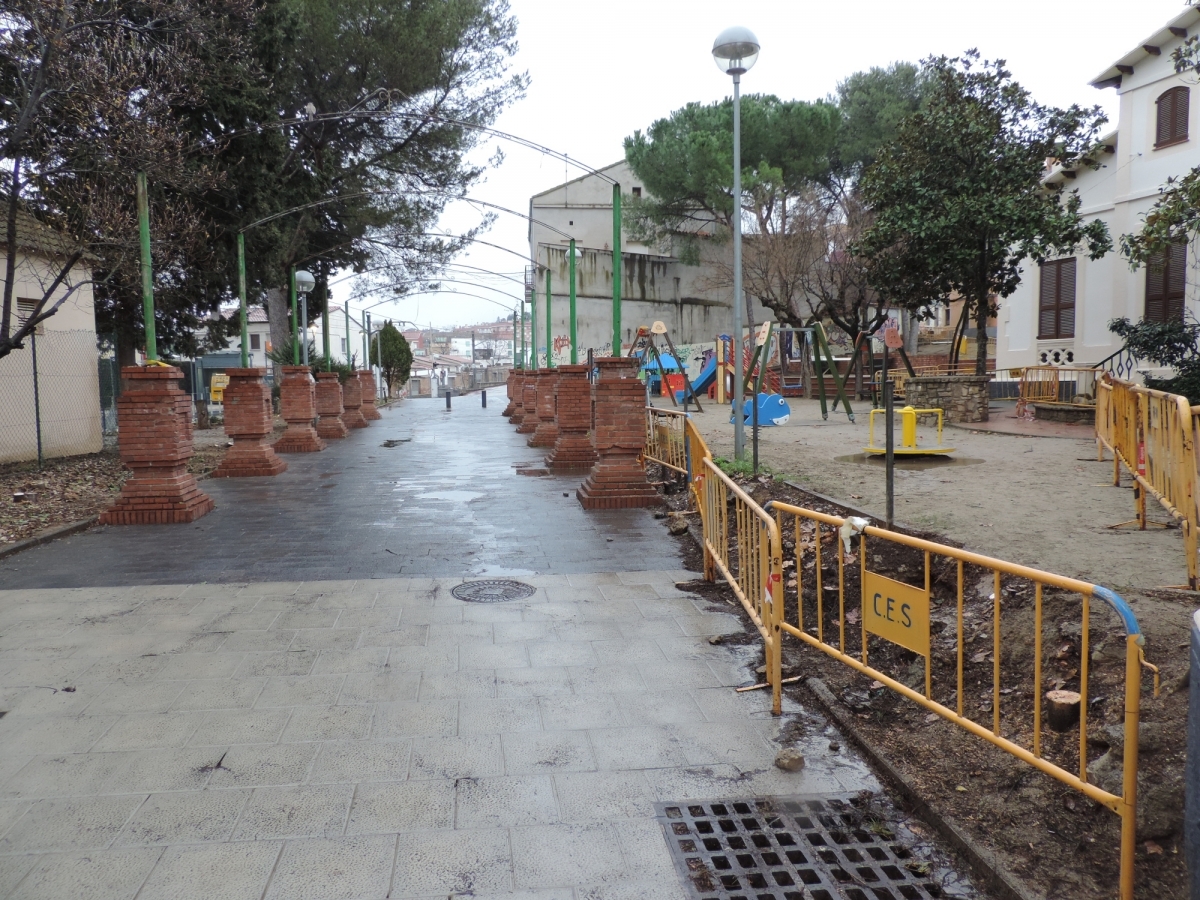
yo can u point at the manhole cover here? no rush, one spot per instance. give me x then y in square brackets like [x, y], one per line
[493, 591]
[788, 849]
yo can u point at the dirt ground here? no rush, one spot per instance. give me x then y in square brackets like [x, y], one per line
[1038, 501]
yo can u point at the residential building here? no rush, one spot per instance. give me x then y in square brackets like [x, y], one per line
[655, 284]
[56, 401]
[1060, 313]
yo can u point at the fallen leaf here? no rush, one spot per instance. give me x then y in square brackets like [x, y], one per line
[932, 717]
[876, 685]
[856, 496]
[960, 788]
[1152, 849]
[852, 617]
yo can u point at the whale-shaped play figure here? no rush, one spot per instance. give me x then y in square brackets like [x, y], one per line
[772, 410]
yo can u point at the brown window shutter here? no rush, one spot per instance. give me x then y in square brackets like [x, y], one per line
[1162, 128]
[1171, 123]
[1179, 120]
[1155, 296]
[1066, 299]
[1175, 282]
[1047, 300]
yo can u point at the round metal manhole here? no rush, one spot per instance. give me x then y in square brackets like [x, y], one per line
[493, 591]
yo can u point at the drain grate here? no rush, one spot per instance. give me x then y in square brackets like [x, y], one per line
[496, 590]
[789, 849]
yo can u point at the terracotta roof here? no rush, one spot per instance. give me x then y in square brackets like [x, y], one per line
[38, 238]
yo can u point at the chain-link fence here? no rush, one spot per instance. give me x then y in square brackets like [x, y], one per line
[57, 396]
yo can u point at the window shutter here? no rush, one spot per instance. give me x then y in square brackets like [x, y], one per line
[1171, 124]
[1175, 282]
[1066, 299]
[1162, 131]
[1047, 300]
[1155, 299]
[1179, 114]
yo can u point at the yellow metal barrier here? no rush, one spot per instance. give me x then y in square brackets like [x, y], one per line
[673, 441]
[900, 612]
[743, 541]
[1153, 434]
[1043, 384]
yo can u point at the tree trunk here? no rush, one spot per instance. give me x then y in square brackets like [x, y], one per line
[277, 318]
[981, 339]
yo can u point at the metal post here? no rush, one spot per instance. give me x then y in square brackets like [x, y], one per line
[520, 317]
[143, 212]
[366, 342]
[549, 324]
[574, 341]
[304, 330]
[739, 432]
[533, 360]
[616, 291]
[346, 309]
[241, 255]
[37, 399]
[379, 359]
[890, 455]
[295, 316]
[448, 393]
[483, 394]
[325, 325]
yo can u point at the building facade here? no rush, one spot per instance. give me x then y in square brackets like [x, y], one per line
[1060, 313]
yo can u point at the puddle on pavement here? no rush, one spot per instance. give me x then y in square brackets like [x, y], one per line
[451, 496]
[911, 463]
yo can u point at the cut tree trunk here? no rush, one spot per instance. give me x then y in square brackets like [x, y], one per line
[1062, 709]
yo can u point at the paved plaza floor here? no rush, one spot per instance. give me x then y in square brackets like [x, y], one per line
[355, 730]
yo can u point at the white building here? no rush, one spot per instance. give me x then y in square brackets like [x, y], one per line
[1060, 313]
[66, 381]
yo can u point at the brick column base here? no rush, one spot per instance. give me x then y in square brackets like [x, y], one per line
[529, 418]
[547, 416]
[517, 416]
[618, 481]
[369, 412]
[248, 422]
[352, 403]
[508, 392]
[329, 407]
[573, 451]
[155, 442]
[298, 404]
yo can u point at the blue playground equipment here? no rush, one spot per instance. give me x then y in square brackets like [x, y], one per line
[702, 383]
[772, 410]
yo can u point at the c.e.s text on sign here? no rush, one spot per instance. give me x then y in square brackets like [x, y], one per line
[897, 612]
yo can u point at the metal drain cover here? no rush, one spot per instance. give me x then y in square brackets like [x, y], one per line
[788, 849]
[493, 591]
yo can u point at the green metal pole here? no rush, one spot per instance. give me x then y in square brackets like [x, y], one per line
[549, 324]
[574, 342]
[524, 349]
[143, 211]
[616, 310]
[241, 253]
[295, 317]
[533, 347]
[366, 353]
[347, 310]
[325, 325]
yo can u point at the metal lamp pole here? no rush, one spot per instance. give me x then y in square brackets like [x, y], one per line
[295, 316]
[616, 293]
[325, 324]
[143, 211]
[574, 341]
[735, 51]
[241, 259]
[549, 325]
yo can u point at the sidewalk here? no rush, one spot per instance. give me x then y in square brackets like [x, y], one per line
[373, 739]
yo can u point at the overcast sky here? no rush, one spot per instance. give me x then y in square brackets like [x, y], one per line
[600, 71]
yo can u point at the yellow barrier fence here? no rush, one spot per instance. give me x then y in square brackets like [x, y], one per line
[1044, 384]
[851, 622]
[1153, 434]
[673, 441]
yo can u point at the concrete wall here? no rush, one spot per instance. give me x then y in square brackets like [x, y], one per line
[68, 378]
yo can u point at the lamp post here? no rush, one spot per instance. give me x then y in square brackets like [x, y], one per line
[574, 254]
[735, 51]
[302, 282]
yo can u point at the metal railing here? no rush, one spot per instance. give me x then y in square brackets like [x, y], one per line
[900, 612]
[743, 543]
[1047, 384]
[1153, 434]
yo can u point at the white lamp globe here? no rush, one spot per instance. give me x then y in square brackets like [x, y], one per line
[735, 50]
[304, 281]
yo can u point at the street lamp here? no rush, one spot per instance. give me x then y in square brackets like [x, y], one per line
[735, 51]
[574, 256]
[302, 283]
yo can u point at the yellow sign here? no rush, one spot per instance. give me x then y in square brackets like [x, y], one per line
[897, 612]
[217, 386]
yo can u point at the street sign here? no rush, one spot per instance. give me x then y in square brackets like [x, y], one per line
[896, 612]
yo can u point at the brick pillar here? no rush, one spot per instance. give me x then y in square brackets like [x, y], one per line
[155, 441]
[573, 451]
[618, 481]
[298, 403]
[547, 411]
[529, 417]
[369, 412]
[248, 421]
[508, 392]
[517, 416]
[352, 403]
[329, 406]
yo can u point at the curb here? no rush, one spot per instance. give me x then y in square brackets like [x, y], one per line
[996, 878]
[50, 534]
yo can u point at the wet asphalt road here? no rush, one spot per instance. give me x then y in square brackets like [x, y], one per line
[446, 500]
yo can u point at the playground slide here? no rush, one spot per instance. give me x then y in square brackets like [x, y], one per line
[707, 376]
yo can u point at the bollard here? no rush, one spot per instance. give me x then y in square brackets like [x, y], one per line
[483, 394]
[447, 398]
